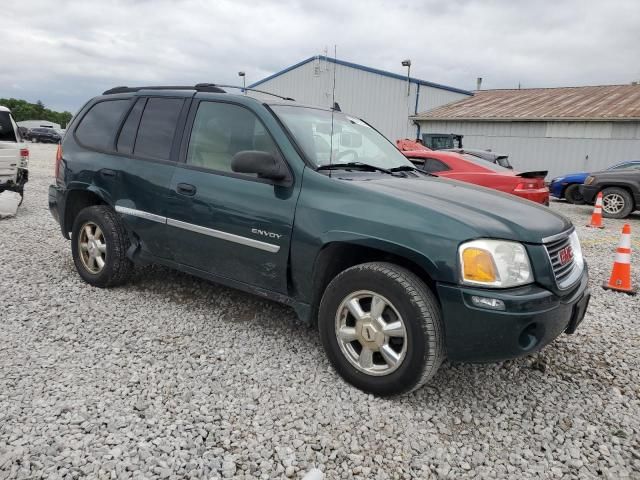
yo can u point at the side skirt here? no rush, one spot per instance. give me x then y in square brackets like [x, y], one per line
[302, 310]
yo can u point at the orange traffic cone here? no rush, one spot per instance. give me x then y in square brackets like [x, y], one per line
[596, 217]
[620, 279]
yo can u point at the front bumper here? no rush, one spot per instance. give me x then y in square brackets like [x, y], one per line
[589, 193]
[533, 317]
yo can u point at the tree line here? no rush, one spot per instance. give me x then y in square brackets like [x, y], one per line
[23, 110]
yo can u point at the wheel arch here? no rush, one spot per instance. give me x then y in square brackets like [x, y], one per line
[76, 200]
[336, 256]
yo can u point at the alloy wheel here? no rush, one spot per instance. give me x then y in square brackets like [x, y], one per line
[612, 203]
[92, 247]
[371, 333]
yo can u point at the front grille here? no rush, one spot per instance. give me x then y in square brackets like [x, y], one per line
[563, 273]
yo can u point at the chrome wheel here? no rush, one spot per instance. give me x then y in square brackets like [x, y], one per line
[612, 203]
[371, 333]
[92, 247]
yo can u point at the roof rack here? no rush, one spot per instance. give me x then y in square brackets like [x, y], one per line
[201, 87]
[248, 89]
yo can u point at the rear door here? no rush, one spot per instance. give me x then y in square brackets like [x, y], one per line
[232, 225]
[130, 151]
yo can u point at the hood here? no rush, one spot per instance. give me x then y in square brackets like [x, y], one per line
[490, 213]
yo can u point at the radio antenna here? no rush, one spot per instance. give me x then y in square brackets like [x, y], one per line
[333, 104]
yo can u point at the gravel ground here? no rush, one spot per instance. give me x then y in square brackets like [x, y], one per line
[174, 377]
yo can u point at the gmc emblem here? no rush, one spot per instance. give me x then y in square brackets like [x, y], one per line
[565, 255]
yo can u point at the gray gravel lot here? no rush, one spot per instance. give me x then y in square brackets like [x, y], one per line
[174, 377]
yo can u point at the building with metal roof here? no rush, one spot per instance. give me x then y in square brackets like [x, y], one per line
[557, 129]
[384, 99]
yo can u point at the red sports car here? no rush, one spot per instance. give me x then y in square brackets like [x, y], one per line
[470, 169]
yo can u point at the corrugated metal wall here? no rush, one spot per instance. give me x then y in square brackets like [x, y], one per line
[381, 101]
[560, 147]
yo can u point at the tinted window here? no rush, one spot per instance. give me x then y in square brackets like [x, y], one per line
[432, 165]
[98, 127]
[7, 133]
[128, 133]
[157, 128]
[220, 130]
[485, 164]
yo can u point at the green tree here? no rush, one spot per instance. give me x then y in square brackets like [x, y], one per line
[23, 110]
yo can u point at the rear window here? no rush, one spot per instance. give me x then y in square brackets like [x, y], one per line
[98, 127]
[157, 128]
[7, 130]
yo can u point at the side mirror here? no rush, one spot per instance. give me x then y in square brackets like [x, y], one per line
[264, 164]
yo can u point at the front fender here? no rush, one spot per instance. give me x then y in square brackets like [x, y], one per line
[384, 245]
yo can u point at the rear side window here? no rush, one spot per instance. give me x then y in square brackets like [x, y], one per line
[157, 128]
[128, 133]
[7, 132]
[432, 165]
[98, 127]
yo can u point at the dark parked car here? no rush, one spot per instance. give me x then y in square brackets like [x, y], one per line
[620, 191]
[43, 135]
[398, 269]
[568, 186]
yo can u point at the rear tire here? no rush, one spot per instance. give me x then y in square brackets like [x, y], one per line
[397, 352]
[99, 246]
[572, 195]
[34, 140]
[616, 203]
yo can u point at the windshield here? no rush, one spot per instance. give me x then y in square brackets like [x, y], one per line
[352, 140]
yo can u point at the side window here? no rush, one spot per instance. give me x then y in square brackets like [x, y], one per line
[220, 130]
[98, 127]
[128, 133]
[432, 165]
[157, 128]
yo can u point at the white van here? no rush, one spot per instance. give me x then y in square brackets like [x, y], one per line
[14, 155]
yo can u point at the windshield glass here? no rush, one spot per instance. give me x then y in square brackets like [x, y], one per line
[352, 139]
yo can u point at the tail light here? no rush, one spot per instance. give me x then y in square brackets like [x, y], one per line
[24, 157]
[530, 184]
[58, 160]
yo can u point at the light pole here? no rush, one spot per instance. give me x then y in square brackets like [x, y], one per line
[407, 63]
[244, 82]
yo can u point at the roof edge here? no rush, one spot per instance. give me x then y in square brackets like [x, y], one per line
[357, 66]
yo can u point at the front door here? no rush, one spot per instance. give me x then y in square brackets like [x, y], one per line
[232, 225]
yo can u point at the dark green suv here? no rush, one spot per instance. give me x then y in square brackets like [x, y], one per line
[315, 209]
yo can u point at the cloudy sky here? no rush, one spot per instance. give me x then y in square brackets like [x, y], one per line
[67, 51]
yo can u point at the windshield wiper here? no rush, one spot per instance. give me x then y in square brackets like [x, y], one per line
[410, 168]
[355, 165]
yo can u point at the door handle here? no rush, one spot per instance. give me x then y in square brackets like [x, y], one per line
[105, 172]
[186, 189]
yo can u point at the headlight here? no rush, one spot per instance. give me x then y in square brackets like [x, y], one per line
[576, 249]
[589, 180]
[494, 263]
[557, 179]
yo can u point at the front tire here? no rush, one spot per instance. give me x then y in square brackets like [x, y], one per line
[616, 203]
[572, 195]
[99, 246]
[380, 326]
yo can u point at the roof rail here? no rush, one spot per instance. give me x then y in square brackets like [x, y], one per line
[245, 88]
[201, 87]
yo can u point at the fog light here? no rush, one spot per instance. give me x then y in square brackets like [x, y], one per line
[484, 302]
